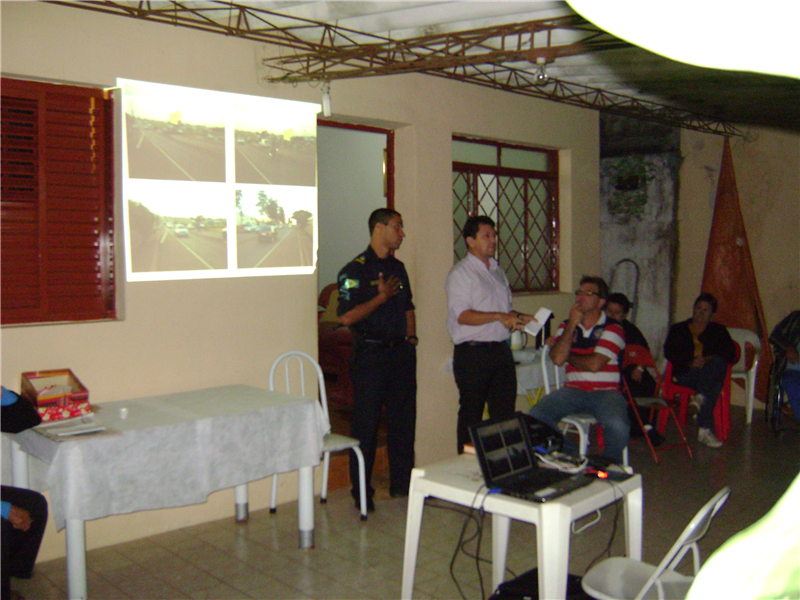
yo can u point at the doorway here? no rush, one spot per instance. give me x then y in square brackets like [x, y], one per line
[354, 178]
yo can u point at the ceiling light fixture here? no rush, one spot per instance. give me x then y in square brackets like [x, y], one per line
[326, 99]
[542, 78]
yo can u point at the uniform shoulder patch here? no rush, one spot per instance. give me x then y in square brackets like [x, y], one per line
[349, 284]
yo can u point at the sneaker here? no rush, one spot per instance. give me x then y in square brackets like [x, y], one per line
[707, 437]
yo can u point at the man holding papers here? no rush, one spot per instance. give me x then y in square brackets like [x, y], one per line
[480, 320]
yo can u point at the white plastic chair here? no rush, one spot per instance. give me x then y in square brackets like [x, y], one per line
[740, 369]
[332, 441]
[620, 578]
[581, 423]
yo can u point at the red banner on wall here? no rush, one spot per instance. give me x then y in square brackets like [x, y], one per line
[729, 272]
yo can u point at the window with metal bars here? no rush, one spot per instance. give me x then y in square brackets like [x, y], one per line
[517, 186]
[57, 217]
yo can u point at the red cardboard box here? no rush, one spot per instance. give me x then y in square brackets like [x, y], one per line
[57, 394]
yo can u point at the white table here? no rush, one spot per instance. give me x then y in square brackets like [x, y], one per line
[175, 450]
[458, 480]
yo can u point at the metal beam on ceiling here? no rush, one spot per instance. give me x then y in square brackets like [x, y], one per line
[533, 41]
[326, 52]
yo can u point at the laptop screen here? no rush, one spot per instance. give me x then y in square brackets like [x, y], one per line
[504, 448]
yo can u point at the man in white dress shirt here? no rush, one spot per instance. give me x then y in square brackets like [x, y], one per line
[480, 320]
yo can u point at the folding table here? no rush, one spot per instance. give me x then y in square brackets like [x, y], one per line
[459, 480]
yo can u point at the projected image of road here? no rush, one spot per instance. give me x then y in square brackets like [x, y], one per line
[276, 142]
[275, 226]
[174, 246]
[177, 226]
[217, 184]
[164, 150]
[272, 159]
[174, 133]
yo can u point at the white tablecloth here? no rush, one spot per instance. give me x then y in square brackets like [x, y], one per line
[176, 449]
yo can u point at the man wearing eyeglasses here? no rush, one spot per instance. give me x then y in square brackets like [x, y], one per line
[589, 343]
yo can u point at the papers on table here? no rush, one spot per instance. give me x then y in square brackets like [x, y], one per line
[541, 316]
[69, 428]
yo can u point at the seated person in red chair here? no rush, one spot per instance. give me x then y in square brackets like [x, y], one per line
[786, 339]
[640, 382]
[700, 351]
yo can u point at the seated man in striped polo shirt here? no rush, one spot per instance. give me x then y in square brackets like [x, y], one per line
[589, 343]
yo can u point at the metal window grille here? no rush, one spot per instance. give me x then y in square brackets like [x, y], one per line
[524, 206]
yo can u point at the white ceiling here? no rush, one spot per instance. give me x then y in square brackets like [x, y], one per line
[605, 73]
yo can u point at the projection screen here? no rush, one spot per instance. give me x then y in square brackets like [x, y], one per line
[217, 184]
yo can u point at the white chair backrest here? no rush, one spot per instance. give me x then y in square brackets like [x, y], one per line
[741, 337]
[299, 358]
[694, 531]
[550, 371]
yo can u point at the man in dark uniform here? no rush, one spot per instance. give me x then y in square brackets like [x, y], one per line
[375, 302]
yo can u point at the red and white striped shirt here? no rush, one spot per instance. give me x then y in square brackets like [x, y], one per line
[607, 338]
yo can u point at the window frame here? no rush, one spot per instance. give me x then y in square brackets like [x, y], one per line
[550, 177]
[57, 243]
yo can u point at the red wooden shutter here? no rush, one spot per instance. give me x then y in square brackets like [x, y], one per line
[57, 203]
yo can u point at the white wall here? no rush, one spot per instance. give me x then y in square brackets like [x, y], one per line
[767, 168]
[350, 186]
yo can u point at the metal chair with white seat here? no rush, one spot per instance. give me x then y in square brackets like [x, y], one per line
[740, 370]
[620, 578]
[332, 441]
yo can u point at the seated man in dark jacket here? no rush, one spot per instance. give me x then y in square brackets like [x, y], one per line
[640, 382]
[700, 351]
[24, 512]
[786, 339]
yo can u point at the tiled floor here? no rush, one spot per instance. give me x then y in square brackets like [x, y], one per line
[355, 559]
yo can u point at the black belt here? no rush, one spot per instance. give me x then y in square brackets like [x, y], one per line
[481, 343]
[384, 342]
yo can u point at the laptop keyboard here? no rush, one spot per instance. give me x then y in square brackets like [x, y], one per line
[555, 490]
[532, 480]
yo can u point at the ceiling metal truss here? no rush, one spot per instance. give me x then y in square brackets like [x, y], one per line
[534, 41]
[486, 57]
[526, 83]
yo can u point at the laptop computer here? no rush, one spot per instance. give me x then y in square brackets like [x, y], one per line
[506, 451]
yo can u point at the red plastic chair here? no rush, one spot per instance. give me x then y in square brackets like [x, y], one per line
[665, 405]
[722, 410]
